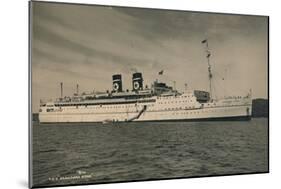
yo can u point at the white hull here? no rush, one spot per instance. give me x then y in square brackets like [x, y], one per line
[220, 112]
[163, 109]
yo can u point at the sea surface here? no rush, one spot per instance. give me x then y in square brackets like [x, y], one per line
[99, 153]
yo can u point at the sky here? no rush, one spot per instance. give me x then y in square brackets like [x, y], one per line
[86, 45]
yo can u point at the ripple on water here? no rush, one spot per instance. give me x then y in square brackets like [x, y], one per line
[138, 151]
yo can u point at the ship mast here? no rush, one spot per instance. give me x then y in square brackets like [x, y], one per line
[77, 89]
[61, 90]
[208, 55]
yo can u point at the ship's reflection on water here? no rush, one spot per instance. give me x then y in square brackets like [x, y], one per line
[97, 153]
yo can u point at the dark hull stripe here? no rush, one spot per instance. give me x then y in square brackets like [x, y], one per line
[236, 118]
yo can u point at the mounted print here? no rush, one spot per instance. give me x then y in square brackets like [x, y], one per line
[120, 94]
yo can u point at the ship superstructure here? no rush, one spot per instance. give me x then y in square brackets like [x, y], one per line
[159, 102]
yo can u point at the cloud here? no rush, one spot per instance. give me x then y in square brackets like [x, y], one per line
[87, 44]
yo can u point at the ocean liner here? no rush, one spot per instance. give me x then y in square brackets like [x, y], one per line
[159, 102]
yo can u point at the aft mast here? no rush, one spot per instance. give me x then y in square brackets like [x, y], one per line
[208, 55]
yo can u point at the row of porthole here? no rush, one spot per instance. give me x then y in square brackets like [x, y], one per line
[175, 97]
[96, 105]
[175, 102]
[110, 107]
[180, 108]
[176, 113]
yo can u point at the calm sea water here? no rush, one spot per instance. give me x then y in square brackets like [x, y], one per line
[96, 153]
